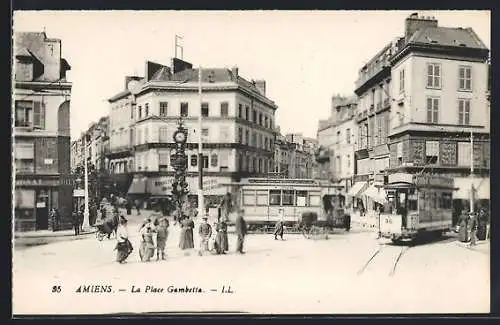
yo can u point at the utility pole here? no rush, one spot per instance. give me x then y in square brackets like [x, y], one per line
[471, 172]
[201, 203]
[86, 224]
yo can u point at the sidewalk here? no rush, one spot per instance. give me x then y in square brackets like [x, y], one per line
[49, 233]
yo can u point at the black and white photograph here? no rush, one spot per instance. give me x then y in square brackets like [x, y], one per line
[250, 162]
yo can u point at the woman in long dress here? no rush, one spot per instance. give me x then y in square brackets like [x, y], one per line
[221, 242]
[147, 249]
[123, 245]
[186, 236]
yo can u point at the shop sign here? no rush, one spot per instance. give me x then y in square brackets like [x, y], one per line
[163, 185]
[37, 182]
[79, 193]
[40, 205]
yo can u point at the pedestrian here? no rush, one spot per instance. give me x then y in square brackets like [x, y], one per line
[186, 236]
[123, 245]
[147, 248]
[205, 232]
[279, 228]
[463, 223]
[161, 238]
[103, 212]
[221, 240]
[482, 225]
[54, 216]
[128, 206]
[138, 207]
[241, 231]
[81, 217]
[473, 228]
[76, 222]
[226, 206]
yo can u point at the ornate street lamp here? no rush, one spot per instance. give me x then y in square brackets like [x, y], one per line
[179, 162]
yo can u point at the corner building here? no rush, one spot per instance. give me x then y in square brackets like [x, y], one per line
[440, 89]
[237, 132]
[41, 132]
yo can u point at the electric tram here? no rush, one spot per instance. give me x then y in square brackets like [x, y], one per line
[262, 198]
[416, 204]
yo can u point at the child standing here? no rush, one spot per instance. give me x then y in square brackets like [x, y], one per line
[161, 238]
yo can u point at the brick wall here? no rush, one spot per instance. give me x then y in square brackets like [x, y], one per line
[64, 155]
[46, 157]
[65, 206]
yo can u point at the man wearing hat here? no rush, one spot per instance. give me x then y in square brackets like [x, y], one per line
[241, 231]
[205, 232]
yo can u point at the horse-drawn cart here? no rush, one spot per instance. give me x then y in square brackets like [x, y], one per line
[313, 227]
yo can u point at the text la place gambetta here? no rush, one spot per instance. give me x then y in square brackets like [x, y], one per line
[169, 289]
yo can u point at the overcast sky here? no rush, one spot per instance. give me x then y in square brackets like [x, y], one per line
[305, 57]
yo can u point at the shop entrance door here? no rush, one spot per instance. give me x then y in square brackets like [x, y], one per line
[42, 211]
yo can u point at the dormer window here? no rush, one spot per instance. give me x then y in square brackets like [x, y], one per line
[24, 71]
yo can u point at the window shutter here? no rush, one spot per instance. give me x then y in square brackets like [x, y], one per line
[37, 107]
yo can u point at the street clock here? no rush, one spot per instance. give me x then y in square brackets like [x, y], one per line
[180, 136]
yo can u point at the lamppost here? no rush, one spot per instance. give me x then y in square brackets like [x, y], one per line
[179, 162]
[201, 202]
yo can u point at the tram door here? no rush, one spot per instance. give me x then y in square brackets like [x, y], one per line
[42, 210]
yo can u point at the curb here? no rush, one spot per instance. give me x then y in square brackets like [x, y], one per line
[51, 236]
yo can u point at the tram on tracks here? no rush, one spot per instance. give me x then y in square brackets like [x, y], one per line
[417, 204]
[262, 198]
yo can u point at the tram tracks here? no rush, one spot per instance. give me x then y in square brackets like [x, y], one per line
[379, 252]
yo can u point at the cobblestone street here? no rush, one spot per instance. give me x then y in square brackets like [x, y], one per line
[292, 276]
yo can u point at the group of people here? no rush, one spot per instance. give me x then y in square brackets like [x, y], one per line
[154, 234]
[472, 226]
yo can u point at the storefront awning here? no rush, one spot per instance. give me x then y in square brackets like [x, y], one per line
[376, 193]
[357, 188]
[138, 186]
[463, 185]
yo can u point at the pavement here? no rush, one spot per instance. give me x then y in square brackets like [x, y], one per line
[296, 275]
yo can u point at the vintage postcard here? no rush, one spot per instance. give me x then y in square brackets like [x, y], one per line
[263, 162]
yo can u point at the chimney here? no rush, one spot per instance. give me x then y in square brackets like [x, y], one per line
[414, 22]
[261, 86]
[234, 71]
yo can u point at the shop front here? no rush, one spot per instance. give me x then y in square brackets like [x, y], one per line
[35, 198]
[214, 188]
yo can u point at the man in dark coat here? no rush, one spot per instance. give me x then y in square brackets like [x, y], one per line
[128, 206]
[76, 222]
[241, 231]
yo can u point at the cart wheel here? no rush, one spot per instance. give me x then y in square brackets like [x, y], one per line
[100, 236]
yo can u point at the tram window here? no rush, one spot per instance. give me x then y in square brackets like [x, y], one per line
[249, 198]
[287, 198]
[412, 205]
[275, 197]
[314, 200]
[301, 200]
[262, 198]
